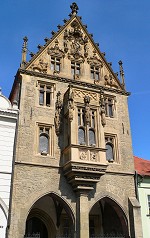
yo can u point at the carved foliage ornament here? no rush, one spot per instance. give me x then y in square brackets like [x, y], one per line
[40, 66]
[78, 42]
[56, 51]
[95, 61]
[109, 81]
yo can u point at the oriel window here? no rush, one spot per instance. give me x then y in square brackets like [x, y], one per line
[86, 132]
[55, 64]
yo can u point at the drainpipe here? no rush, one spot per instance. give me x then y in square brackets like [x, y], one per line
[136, 185]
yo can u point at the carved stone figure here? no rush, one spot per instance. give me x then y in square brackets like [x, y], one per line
[102, 109]
[87, 109]
[70, 104]
[58, 113]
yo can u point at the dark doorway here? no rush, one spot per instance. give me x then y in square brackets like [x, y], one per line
[36, 226]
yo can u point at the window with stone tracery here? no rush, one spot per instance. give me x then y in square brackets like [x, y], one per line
[55, 64]
[45, 94]
[86, 131]
[45, 140]
[111, 148]
[75, 68]
[109, 106]
[95, 73]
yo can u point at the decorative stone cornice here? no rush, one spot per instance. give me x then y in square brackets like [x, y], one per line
[10, 114]
[66, 80]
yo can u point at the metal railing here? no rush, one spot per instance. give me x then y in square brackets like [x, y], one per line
[109, 236]
[33, 235]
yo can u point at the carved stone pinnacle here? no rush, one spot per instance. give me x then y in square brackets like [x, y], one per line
[74, 8]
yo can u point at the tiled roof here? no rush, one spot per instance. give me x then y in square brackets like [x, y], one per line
[142, 166]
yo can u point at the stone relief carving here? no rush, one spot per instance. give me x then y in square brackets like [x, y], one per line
[95, 61]
[93, 156]
[81, 94]
[83, 155]
[56, 51]
[102, 109]
[40, 66]
[109, 81]
[78, 42]
[58, 113]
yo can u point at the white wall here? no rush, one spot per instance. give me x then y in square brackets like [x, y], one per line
[8, 119]
[144, 191]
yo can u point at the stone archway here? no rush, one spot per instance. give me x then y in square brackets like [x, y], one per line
[106, 217]
[50, 217]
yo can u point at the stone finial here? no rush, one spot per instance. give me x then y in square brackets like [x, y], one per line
[24, 51]
[121, 73]
[74, 8]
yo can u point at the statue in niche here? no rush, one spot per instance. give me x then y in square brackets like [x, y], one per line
[58, 113]
[71, 104]
[102, 109]
[87, 109]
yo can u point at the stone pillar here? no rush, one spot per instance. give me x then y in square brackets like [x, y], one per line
[82, 216]
[135, 218]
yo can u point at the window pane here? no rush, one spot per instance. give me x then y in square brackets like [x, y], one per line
[41, 98]
[92, 75]
[110, 109]
[109, 152]
[47, 99]
[81, 136]
[97, 76]
[91, 137]
[72, 71]
[52, 66]
[43, 144]
[58, 67]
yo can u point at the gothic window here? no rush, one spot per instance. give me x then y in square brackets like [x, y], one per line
[75, 68]
[55, 64]
[45, 95]
[86, 132]
[94, 72]
[109, 107]
[111, 148]
[45, 140]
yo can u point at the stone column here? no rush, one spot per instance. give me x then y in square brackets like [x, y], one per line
[82, 216]
[135, 218]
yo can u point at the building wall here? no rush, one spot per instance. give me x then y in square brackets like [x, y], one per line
[8, 118]
[144, 191]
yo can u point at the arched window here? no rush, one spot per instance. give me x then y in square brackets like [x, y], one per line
[81, 136]
[109, 152]
[44, 144]
[91, 137]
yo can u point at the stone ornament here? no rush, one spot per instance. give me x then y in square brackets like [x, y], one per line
[40, 66]
[87, 109]
[56, 51]
[70, 103]
[102, 108]
[83, 155]
[58, 113]
[93, 156]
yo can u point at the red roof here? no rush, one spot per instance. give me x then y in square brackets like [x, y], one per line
[142, 166]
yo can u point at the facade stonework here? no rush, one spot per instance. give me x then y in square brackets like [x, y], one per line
[73, 159]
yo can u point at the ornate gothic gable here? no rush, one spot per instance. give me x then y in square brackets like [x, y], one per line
[73, 42]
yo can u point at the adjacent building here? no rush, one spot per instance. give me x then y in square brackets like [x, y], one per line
[74, 167]
[143, 185]
[8, 120]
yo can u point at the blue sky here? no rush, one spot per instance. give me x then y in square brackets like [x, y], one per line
[122, 29]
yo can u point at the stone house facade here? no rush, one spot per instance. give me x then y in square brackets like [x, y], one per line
[8, 120]
[74, 168]
[142, 168]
